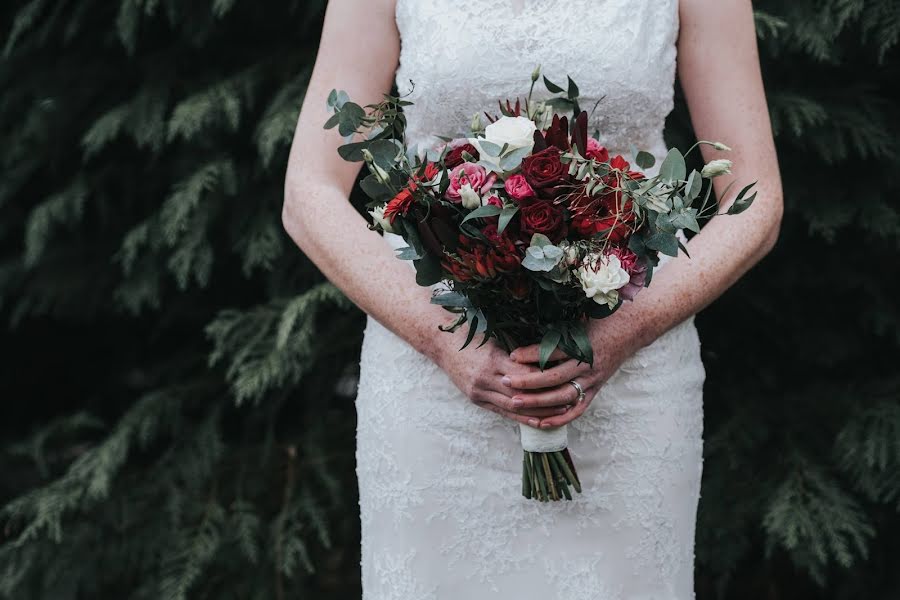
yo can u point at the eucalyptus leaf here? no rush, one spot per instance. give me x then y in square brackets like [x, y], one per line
[351, 117]
[513, 159]
[693, 187]
[645, 160]
[489, 148]
[673, 167]
[454, 299]
[374, 189]
[664, 242]
[407, 253]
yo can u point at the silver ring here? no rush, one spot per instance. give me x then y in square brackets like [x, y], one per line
[579, 389]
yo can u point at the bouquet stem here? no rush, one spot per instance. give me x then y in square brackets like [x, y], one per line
[547, 468]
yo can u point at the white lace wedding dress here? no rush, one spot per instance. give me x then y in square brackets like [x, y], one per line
[442, 513]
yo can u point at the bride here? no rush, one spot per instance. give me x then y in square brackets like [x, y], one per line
[438, 454]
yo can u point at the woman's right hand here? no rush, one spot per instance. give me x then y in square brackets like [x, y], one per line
[478, 373]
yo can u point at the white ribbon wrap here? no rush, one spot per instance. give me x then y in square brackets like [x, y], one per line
[544, 440]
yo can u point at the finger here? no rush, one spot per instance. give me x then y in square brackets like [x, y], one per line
[558, 396]
[552, 377]
[568, 416]
[532, 421]
[543, 413]
[532, 354]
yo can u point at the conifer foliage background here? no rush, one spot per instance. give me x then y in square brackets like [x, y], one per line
[177, 379]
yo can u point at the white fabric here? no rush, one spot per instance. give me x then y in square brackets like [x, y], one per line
[543, 440]
[440, 478]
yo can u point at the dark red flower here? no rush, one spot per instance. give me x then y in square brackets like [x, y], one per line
[480, 261]
[612, 227]
[454, 157]
[544, 170]
[519, 285]
[542, 217]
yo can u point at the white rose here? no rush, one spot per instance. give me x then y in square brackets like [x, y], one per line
[378, 216]
[602, 284]
[468, 197]
[513, 132]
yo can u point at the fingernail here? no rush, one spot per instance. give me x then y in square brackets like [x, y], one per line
[512, 355]
[545, 425]
[506, 381]
[562, 410]
[533, 422]
[518, 402]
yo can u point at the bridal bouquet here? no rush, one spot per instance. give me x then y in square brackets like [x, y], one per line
[531, 224]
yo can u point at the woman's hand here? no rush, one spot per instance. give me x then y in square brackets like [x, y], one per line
[479, 373]
[549, 389]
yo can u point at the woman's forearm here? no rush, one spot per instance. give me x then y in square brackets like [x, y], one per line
[358, 261]
[719, 255]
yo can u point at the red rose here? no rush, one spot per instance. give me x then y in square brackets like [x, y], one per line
[399, 205]
[544, 170]
[542, 217]
[455, 158]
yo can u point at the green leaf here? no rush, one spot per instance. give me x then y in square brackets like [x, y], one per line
[374, 189]
[645, 160]
[552, 87]
[512, 160]
[428, 270]
[580, 337]
[740, 205]
[673, 167]
[693, 186]
[548, 344]
[489, 148]
[351, 117]
[454, 299]
[483, 211]
[506, 216]
[407, 253]
[333, 121]
[573, 91]
[664, 242]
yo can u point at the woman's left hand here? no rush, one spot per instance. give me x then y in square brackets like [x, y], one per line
[550, 388]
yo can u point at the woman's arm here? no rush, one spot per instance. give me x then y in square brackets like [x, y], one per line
[319, 218]
[718, 66]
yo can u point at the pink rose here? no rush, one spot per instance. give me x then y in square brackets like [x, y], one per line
[494, 200]
[596, 151]
[518, 188]
[471, 174]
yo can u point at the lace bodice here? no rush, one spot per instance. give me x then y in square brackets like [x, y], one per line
[464, 55]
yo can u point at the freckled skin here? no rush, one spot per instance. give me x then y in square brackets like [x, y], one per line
[718, 67]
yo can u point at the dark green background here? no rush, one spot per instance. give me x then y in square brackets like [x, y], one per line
[177, 379]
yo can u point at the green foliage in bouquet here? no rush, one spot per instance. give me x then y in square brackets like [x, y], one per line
[142, 162]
